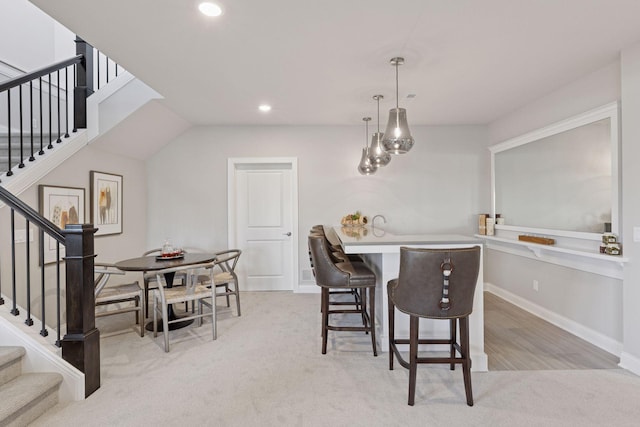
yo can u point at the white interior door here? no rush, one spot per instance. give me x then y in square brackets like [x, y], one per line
[264, 224]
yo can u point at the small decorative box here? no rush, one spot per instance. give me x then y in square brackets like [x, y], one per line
[612, 249]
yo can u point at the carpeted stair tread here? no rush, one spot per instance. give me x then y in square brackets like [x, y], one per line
[10, 363]
[10, 354]
[27, 397]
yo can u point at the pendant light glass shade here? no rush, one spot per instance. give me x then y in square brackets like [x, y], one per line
[379, 156]
[366, 167]
[397, 137]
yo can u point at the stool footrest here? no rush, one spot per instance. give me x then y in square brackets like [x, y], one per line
[349, 328]
[425, 341]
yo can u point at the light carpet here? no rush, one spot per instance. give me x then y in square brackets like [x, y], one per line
[266, 369]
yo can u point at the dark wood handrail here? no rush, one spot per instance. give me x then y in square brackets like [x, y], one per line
[25, 78]
[31, 214]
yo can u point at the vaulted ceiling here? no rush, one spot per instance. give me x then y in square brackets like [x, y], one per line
[320, 62]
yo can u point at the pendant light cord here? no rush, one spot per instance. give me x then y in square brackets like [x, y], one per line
[366, 134]
[378, 99]
[397, 96]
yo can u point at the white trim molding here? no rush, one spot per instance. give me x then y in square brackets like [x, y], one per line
[630, 362]
[41, 356]
[232, 165]
[596, 338]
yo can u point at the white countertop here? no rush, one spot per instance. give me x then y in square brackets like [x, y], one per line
[369, 239]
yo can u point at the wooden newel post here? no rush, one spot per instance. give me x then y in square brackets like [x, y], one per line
[84, 84]
[81, 344]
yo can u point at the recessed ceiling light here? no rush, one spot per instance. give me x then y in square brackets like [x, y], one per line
[264, 108]
[210, 9]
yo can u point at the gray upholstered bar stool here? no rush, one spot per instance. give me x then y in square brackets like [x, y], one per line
[336, 257]
[342, 276]
[434, 284]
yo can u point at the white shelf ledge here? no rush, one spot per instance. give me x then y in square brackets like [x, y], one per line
[606, 265]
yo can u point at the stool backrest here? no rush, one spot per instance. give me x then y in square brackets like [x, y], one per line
[324, 269]
[419, 288]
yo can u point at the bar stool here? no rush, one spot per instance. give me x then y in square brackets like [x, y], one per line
[434, 284]
[332, 276]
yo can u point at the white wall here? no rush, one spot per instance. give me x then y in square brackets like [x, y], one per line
[631, 204]
[437, 187]
[75, 173]
[592, 301]
[30, 38]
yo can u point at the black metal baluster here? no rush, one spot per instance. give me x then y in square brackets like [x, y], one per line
[107, 66]
[31, 158]
[21, 164]
[9, 171]
[28, 321]
[116, 68]
[59, 131]
[43, 330]
[14, 310]
[98, 72]
[66, 101]
[58, 341]
[75, 84]
[50, 146]
[41, 152]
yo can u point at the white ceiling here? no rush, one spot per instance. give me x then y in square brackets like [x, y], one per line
[320, 62]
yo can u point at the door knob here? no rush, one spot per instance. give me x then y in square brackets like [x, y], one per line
[287, 234]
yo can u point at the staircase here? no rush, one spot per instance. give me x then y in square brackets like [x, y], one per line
[24, 396]
[15, 148]
[4, 153]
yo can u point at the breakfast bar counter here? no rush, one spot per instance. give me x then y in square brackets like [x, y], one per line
[381, 252]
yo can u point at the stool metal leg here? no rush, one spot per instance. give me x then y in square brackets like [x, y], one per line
[392, 329]
[466, 364]
[325, 318]
[372, 317]
[413, 357]
[452, 336]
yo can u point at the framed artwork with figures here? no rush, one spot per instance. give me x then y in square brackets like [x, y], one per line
[61, 206]
[106, 202]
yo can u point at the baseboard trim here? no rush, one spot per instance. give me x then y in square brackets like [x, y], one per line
[41, 356]
[307, 289]
[630, 362]
[25, 178]
[593, 337]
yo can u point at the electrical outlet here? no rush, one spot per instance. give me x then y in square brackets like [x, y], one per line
[535, 285]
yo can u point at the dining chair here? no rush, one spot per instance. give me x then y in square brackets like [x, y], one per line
[191, 291]
[118, 294]
[149, 279]
[434, 284]
[225, 276]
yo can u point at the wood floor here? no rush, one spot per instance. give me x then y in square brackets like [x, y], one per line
[518, 340]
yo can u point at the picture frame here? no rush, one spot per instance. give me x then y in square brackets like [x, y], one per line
[61, 206]
[106, 203]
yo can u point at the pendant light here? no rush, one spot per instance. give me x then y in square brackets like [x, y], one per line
[397, 137]
[366, 167]
[379, 157]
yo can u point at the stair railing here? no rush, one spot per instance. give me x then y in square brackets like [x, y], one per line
[81, 343]
[40, 104]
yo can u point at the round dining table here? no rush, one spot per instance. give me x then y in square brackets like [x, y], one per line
[155, 263]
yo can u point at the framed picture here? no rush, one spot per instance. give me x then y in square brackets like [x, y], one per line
[106, 203]
[61, 206]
